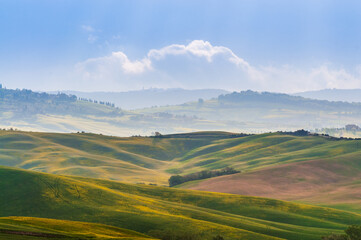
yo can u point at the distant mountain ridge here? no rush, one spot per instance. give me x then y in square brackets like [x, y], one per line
[344, 95]
[149, 97]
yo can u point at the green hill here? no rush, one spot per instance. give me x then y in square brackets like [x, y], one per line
[258, 151]
[311, 169]
[43, 228]
[134, 159]
[163, 212]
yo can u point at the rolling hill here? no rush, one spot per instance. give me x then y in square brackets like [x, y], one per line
[158, 211]
[246, 111]
[306, 168]
[20, 228]
[33, 111]
[263, 112]
[149, 97]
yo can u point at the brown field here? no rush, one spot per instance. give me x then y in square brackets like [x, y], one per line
[324, 182]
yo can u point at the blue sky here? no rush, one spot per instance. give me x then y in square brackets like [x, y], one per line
[285, 46]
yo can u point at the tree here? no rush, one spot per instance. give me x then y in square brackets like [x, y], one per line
[175, 180]
[335, 237]
[353, 232]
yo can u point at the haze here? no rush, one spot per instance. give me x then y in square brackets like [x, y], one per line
[277, 46]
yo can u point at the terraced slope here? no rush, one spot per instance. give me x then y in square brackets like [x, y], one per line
[162, 212]
[22, 228]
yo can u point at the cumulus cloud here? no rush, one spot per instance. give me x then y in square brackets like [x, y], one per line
[202, 65]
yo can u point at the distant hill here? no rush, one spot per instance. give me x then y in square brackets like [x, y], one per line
[345, 95]
[264, 111]
[247, 111]
[26, 103]
[33, 111]
[149, 97]
[160, 212]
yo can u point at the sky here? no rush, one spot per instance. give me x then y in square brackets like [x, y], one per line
[105, 45]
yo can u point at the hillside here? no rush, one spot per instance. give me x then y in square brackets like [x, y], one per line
[311, 169]
[268, 111]
[33, 111]
[161, 212]
[26, 103]
[331, 182]
[247, 111]
[153, 159]
[149, 97]
[19, 228]
[344, 95]
[134, 159]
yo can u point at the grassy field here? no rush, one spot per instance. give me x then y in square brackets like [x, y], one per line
[308, 169]
[135, 159]
[153, 160]
[163, 212]
[19, 228]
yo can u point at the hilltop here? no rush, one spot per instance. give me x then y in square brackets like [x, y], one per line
[159, 211]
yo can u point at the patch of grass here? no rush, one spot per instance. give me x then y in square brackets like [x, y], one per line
[44, 228]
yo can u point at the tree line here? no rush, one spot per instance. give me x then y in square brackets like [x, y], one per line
[109, 104]
[178, 179]
[353, 232]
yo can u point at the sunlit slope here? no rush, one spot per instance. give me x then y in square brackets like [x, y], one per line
[160, 211]
[44, 228]
[333, 181]
[135, 159]
[259, 151]
[153, 160]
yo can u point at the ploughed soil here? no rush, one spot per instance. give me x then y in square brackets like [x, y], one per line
[325, 182]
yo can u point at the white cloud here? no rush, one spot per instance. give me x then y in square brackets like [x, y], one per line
[92, 36]
[202, 65]
[87, 28]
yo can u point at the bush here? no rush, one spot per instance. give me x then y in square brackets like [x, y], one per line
[177, 179]
[352, 233]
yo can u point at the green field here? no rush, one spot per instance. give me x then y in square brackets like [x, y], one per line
[153, 160]
[314, 170]
[160, 211]
[19, 228]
